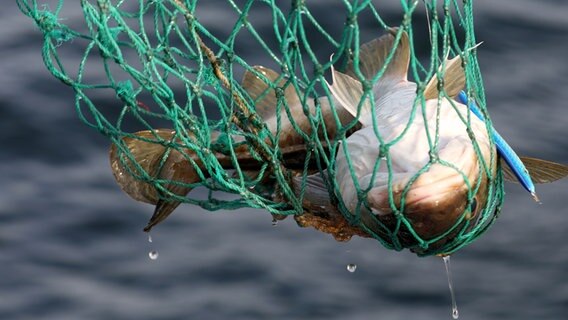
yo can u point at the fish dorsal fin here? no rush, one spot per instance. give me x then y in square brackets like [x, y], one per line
[263, 93]
[541, 171]
[374, 54]
[454, 80]
[349, 92]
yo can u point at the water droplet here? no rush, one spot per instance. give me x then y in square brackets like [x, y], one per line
[274, 222]
[351, 267]
[149, 238]
[153, 254]
[455, 313]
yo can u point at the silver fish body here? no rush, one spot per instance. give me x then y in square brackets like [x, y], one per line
[438, 196]
[424, 166]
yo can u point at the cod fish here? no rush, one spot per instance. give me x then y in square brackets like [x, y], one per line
[431, 186]
[431, 189]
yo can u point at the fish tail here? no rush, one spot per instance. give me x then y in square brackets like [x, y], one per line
[262, 85]
[385, 56]
[144, 156]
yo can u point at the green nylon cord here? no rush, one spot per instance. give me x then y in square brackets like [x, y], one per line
[153, 63]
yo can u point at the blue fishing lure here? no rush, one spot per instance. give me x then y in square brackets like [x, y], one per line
[504, 150]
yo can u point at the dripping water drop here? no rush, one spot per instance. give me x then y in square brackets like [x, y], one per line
[274, 222]
[351, 267]
[455, 313]
[153, 254]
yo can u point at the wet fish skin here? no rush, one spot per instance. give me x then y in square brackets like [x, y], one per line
[439, 196]
[149, 148]
[428, 188]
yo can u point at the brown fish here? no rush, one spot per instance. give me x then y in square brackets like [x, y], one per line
[149, 149]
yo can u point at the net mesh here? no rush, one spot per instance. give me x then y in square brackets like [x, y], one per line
[171, 64]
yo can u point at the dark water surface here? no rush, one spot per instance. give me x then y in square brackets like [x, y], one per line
[72, 246]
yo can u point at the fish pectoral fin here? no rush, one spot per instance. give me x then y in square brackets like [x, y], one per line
[349, 92]
[316, 196]
[540, 171]
[454, 80]
[262, 92]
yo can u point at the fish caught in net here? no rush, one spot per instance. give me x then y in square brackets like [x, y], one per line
[384, 139]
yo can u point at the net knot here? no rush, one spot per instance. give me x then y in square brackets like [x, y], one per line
[351, 20]
[383, 151]
[433, 156]
[367, 85]
[279, 92]
[440, 83]
[103, 5]
[209, 77]
[298, 4]
[125, 90]
[318, 70]
[48, 23]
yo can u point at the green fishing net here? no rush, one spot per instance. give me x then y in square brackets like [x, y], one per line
[174, 64]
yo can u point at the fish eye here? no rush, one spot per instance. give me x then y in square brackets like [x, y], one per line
[473, 206]
[472, 209]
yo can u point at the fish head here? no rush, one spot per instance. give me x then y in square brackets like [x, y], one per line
[437, 204]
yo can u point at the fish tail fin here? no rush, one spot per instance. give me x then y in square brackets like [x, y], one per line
[373, 57]
[374, 54]
[261, 87]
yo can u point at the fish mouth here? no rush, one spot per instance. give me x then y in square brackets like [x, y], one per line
[429, 190]
[433, 205]
[443, 192]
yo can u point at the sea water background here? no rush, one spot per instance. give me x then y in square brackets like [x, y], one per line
[71, 245]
